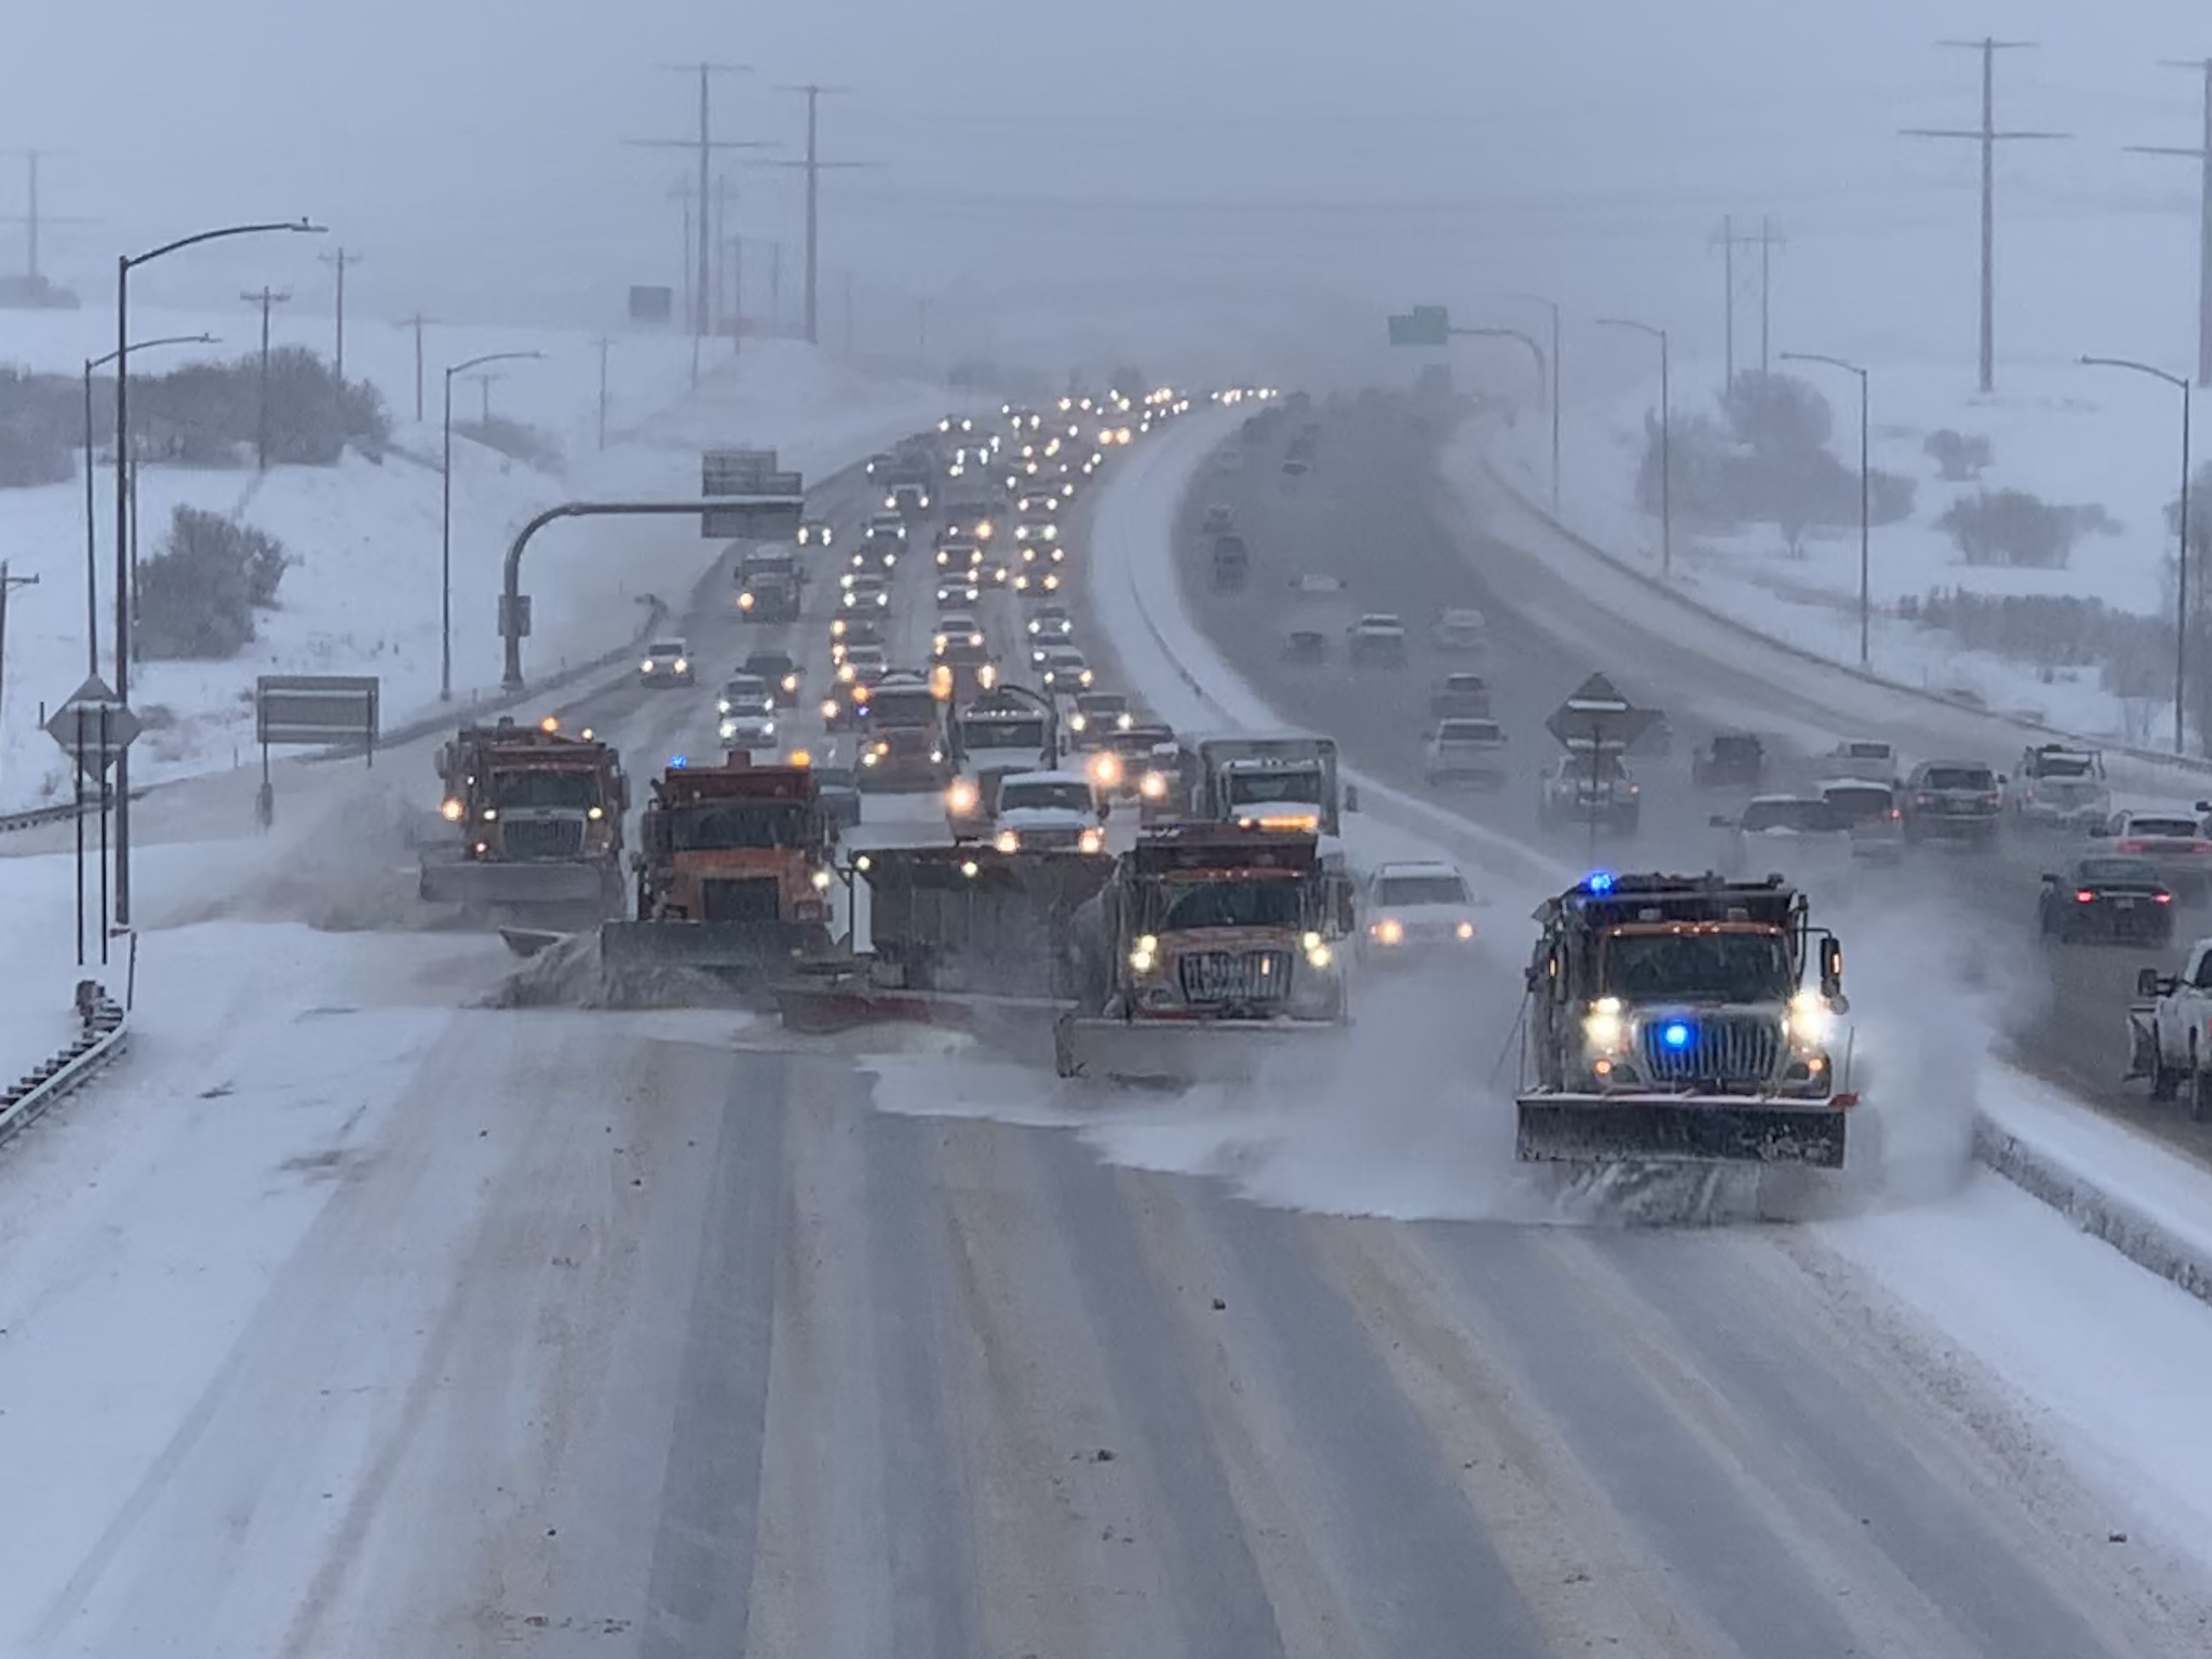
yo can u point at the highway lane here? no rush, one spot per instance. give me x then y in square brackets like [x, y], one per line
[665, 1333]
[1374, 513]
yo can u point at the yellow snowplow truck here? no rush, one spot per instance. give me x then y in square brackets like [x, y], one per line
[536, 818]
[1672, 1019]
[1213, 948]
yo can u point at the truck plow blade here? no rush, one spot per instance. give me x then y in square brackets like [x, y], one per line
[1172, 1051]
[482, 886]
[745, 947]
[1679, 1128]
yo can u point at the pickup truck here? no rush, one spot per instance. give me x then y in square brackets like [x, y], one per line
[2170, 1031]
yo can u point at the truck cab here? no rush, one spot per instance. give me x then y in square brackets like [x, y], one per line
[2170, 1031]
[902, 735]
[2061, 787]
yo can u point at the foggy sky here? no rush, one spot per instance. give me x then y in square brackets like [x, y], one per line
[1383, 153]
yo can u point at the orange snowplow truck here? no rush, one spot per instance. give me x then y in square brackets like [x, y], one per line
[537, 818]
[732, 870]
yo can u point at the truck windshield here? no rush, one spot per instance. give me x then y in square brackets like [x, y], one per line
[1301, 784]
[1961, 777]
[1231, 903]
[902, 708]
[722, 826]
[1698, 967]
[1069, 797]
[1002, 734]
[520, 791]
[1422, 890]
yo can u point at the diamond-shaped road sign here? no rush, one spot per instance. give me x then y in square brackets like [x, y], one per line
[94, 727]
[1598, 718]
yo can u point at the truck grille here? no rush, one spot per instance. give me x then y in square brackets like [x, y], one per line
[744, 898]
[1235, 976]
[530, 839]
[1729, 1049]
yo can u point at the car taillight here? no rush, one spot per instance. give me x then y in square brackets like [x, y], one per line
[1993, 800]
[1894, 814]
[1923, 800]
[2161, 898]
[2085, 895]
[2134, 846]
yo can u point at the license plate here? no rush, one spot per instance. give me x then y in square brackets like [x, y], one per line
[2125, 903]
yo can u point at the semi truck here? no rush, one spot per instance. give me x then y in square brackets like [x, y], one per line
[902, 743]
[536, 825]
[769, 584]
[1683, 1019]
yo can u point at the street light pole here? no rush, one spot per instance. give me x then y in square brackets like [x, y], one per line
[1866, 494]
[124, 264]
[2180, 382]
[91, 550]
[1552, 305]
[445, 519]
[1666, 439]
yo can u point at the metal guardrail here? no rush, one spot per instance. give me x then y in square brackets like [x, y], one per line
[104, 1034]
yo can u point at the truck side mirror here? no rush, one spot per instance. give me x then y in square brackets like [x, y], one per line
[2205, 805]
[1352, 797]
[1832, 969]
[2147, 982]
[1718, 822]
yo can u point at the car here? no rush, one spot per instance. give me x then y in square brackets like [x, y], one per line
[815, 532]
[1036, 584]
[1048, 811]
[1458, 696]
[747, 729]
[2174, 842]
[849, 631]
[957, 551]
[745, 694]
[1219, 521]
[1049, 623]
[783, 675]
[1065, 671]
[1134, 749]
[1590, 789]
[973, 519]
[2114, 897]
[1097, 716]
[667, 662]
[1873, 758]
[2060, 787]
[885, 524]
[1038, 500]
[1954, 800]
[1043, 550]
[1460, 630]
[1378, 637]
[1464, 750]
[863, 590]
[860, 660]
[957, 590]
[1871, 812]
[1732, 759]
[958, 641]
[877, 553]
[993, 573]
[1415, 911]
[1307, 646]
[1800, 836]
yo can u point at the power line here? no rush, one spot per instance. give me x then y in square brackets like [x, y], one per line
[814, 165]
[1988, 138]
[2203, 155]
[705, 144]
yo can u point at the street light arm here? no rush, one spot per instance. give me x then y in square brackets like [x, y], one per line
[491, 357]
[1630, 322]
[148, 345]
[1821, 357]
[2157, 373]
[194, 240]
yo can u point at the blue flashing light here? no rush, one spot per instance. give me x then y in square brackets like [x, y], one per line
[1600, 881]
[678, 763]
[1676, 1035]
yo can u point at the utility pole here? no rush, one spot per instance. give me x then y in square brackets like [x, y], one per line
[705, 144]
[483, 393]
[733, 261]
[418, 322]
[33, 218]
[718, 317]
[603, 343]
[1988, 138]
[775, 287]
[339, 262]
[268, 299]
[814, 165]
[2202, 155]
[1729, 238]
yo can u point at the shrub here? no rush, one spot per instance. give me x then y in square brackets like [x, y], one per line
[1958, 459]
[198, 594]
[2012, 527]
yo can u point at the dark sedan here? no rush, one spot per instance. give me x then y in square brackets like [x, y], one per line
[2115, 900]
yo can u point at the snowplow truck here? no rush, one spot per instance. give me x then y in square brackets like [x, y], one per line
[1284, 780]
[733, 872]
[1208, 951]
[1684, 1019]
[537, 818]
[1001, 732]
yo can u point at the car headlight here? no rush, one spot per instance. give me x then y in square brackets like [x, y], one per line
[1124, 722]
[868, 758]
[1146, 954]
[1008, 841]
[1602, 1027]
[721, 705]
[1079, 723]
[845, 673]
[820, 881]
[1388, 931]
[791, 681]
[1106, 769]
[1465, 930]
[646, 667]
[745, 601]
[1811, 1022]
[729, 729]
[489, 813]
[683, 666]
[451, 812]
[962, 797]
[1090, 841]
[829, 709]
[1084, 676]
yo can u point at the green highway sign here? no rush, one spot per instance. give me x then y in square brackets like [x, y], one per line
[1424, 325]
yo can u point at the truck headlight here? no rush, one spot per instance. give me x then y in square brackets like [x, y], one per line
[868, 758]
[821, 881]
[489, 813]
[962, 797]
[451, 811]
[1106, 769]
[595, 813]
[1318, 954]
[829, 709]
[1008, 841]
[791, 681]
[1090, 841]
[1465, 930]
[745, 601]
[683, 666]
[1389, 931]
[1602, 1027]
[1153, 787]
[1811, 1023]
[729, 730]
[1146, 956]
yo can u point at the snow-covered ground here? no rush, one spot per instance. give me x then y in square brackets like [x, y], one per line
[364, 595]
[2071, 435]
[2104, 1358]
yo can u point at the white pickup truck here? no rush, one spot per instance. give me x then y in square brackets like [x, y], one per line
[2170, 1031]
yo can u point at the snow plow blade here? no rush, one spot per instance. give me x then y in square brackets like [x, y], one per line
[484, 887]
[1679, 1129]
[722, 947]
[529, 941]
[1186, 1051]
